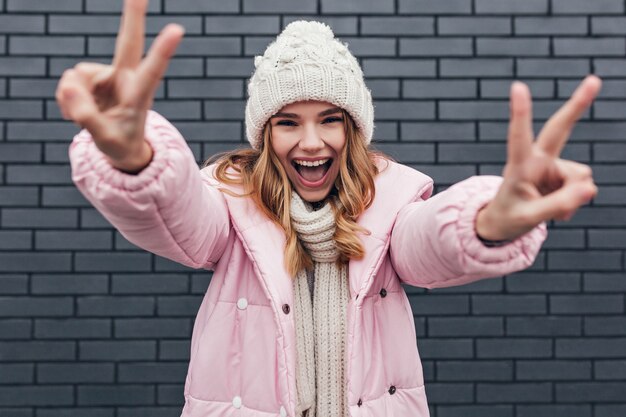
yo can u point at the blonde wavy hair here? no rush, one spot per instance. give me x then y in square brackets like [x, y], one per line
[263, 178]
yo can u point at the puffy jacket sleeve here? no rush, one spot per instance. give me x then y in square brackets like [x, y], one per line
[171, 208]
[434, 243]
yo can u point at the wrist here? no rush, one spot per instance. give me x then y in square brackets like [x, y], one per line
[135, 163]
[486, 228]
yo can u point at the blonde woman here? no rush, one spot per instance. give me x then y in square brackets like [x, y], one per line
[309, 233]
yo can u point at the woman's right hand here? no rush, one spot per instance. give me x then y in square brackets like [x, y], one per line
[112, 101]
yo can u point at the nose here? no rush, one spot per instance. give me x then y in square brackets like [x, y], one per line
[311, 140]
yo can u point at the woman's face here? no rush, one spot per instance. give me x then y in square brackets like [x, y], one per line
[308, 137]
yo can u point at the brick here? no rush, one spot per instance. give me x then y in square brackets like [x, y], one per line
[435, 7]
[610, 369]
[75, 373]
[36, 396]
[38, 218]
[511, 7]
[475, 25]
[601, 25]
[518, 392]
[205, 88]
[552, 370]
[407, 153]
[72, 329]
[41, 131]
[152, 328]
[115, 306]
[147, 284]
[37, 351]
[502, 88]
[550, 25]
[583, 7]
[543, 326]
[512, 47]
[608, 174]
[615, 410]
[171, 394]
[113, 262]
[609, 109]
[63, 196]
[13, 283]
[467, 153]
[449, 393]
[18, 196]
[200, 282]
[35, 262]
[607, 239]
[439, 89]
[152, 372]
[33, 88]
[513, 348]
[437, 131]
[598, 216]
[447, 46]
[69, 284]
[20, 152]
[543, 282]
[580, 392]
[399, 67]
[186, 306]
[341, 25]
[586, 304]
[190, 46]
[245, 25]
[38, 174]
[601, 282]
[117, 350]
[465, 326]
[384, 88]
[356, 6]
[446, 174]
[403, 110]
[281, 6]
[439, 304]
[591, 347]
[551, 410]
[610, 195]
[15, 240]
[79, 240]
[584, 261]
[36, 306]
[474, 410]
[229, 67]
[474, 67]
[610, 88]
[397, 26]
[15, 23]
[14, 329]
[552, 67]
[160, 411]
[13, 373]
[211, 131]
[76, 412]
[46, 45]
[115, 395]
[174, 349]
[508, 304]
[179, 109]
[608, 67]
[20, 109]
[445, 348]
[475, 371]
[10, 66]
[605, 326]
[365, 47]
[116, 6]
[589, 47]
[37, 6]
[200, 6]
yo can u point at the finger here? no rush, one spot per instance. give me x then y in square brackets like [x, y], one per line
[562, 203]
[573, 171]
[95, 73]
[520, 135]
[557, 129]
[153, 67]
[79, 105]
[130, 39]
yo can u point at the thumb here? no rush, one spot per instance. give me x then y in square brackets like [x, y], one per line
[80, 106]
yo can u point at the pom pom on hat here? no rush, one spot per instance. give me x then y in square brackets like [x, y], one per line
[306, 62]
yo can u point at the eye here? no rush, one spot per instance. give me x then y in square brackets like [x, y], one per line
[332, 119]
[285, 123]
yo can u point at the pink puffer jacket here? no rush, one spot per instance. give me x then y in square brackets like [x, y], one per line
[242, 360]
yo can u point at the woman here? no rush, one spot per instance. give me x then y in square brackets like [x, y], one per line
[309, 233]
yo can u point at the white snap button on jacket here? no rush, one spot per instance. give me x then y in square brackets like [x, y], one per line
[283, 412]
[242, 304]
[237, 402]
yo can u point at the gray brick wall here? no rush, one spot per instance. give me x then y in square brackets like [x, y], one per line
[92, 326]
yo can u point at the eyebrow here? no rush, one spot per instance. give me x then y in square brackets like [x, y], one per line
[326, 112]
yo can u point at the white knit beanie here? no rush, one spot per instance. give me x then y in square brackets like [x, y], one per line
[306, 62]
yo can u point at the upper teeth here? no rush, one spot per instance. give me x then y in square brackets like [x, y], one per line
[311, 163]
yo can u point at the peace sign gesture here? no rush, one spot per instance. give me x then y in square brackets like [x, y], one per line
[538, 185]
[112, 101]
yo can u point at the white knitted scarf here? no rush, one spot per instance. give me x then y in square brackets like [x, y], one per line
[320, 318]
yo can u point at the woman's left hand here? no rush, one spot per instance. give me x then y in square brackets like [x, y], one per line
[538, 185]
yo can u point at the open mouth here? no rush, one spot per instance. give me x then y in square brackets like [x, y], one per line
[312, 173]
